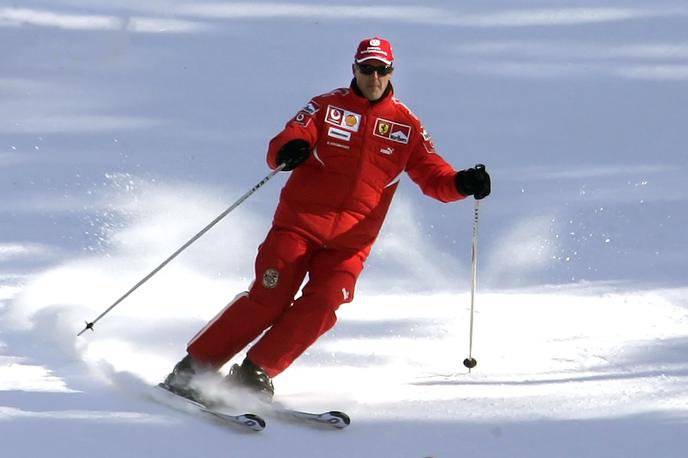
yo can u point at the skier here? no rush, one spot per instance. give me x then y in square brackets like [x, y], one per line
[347, 150]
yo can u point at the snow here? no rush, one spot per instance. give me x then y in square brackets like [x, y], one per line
[128, 126]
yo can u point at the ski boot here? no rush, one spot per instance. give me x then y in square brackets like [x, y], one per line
[253, 378]
[179, 381]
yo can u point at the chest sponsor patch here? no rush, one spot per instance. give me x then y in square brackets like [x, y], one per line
[341, 134]
[343, 118]
[392, 130]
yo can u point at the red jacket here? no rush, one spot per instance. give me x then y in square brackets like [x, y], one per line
[339, 197]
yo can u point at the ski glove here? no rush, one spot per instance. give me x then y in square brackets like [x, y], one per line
[473, 182]
[293, 154]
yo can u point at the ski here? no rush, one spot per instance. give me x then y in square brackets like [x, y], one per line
[248, 421]
[332, 418]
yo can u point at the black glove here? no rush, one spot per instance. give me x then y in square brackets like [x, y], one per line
[473, 182]
[293, 154]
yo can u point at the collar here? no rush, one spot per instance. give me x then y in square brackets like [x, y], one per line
[389, 91]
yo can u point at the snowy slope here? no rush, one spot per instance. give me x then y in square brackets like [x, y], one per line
[126, 126]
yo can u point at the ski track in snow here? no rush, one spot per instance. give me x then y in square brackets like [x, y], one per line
[126, 127]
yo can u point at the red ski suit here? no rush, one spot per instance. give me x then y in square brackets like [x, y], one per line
[330, 213]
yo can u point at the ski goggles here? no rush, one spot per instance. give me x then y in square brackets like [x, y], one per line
[367, 69]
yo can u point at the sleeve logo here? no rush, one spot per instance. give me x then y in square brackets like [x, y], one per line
[302, 118]
[311, 108]
[427, 141]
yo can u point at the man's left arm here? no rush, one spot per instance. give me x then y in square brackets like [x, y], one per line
[438, 179]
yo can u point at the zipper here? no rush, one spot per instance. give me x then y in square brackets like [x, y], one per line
[357, 176]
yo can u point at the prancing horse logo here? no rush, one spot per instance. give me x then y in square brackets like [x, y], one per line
[383, 128]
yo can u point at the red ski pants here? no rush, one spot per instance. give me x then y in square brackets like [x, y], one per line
[283, 261]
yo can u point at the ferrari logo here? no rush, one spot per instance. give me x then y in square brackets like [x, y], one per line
[383, 128]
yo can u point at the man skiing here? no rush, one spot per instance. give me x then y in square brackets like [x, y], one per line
[347, 150]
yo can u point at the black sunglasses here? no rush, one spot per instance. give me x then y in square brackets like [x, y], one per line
[370, 69]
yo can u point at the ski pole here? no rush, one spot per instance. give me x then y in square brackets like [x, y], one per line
[470, 362]
[89, 325]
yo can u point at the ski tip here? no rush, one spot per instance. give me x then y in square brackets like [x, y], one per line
[342, 419]
[260, 424]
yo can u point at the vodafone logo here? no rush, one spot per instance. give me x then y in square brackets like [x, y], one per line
[335, 114]
[374, 42]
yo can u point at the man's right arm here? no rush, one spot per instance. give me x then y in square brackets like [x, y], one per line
[288, 146]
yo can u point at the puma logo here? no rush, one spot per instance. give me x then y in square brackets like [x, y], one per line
[388, 150]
